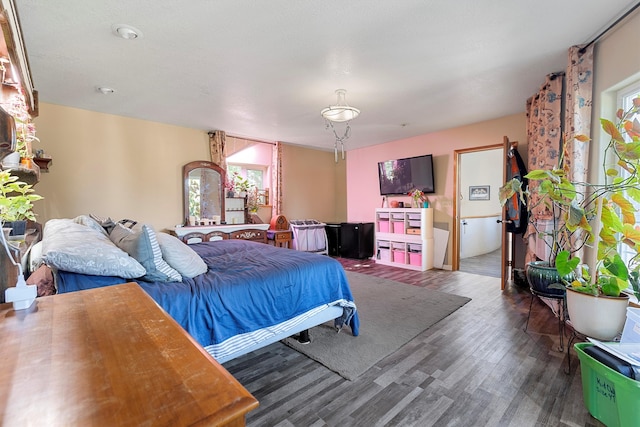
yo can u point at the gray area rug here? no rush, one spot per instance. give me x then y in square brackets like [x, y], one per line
[391, 314]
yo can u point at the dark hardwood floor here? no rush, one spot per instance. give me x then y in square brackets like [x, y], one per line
[476, 367]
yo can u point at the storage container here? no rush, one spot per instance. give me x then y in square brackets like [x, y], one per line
[398, 245]
[631, 331]
[414, 223]
[398, 227]
[414, 217]
[415, 258]
[383, 215]
[384, 244]
[415, 247]
[399, 216]
[609, 396]
[385, 254]
[398, 256]
[383, 226]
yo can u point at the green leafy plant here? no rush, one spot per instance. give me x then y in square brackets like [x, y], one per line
[587, 214]
[16, 198]
[240, 183]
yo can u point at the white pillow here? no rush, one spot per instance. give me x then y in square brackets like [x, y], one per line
[141, 243]
[73, 247]
[180, 256]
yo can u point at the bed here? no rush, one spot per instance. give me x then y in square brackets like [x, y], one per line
[251, 294]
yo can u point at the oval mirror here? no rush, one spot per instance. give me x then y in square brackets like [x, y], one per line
[203, 193]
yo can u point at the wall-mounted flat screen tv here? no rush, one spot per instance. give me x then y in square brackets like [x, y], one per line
[403, 175]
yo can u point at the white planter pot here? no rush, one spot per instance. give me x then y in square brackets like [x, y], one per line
[11, 160]
[600, 317]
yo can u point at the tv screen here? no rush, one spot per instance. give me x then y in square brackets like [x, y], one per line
[403, 175]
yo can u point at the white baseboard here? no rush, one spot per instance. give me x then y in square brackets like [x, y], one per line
[447, 267]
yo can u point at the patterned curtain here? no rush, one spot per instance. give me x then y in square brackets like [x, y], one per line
[217, 142]
[578, 110]
[276, 181]
[544, 132]
[545, 128]
[578, 118]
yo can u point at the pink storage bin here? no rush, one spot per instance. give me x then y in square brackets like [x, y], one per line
[398, 227]
[398, 256]
[415, 258]
[383, 226]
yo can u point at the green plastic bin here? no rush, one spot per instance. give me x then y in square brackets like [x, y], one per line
[609, 396]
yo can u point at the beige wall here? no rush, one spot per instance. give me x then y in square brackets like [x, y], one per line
[127, 168]
[313, 185]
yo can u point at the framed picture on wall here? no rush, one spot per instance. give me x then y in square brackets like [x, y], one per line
[479, 192]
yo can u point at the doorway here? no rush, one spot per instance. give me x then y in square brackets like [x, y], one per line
[479, 175]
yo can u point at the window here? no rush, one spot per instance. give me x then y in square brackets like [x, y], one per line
[625, 101]
[254, 174]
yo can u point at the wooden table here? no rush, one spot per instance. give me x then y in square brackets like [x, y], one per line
[110, 356]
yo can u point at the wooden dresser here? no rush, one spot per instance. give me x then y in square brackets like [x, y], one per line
[110, 356]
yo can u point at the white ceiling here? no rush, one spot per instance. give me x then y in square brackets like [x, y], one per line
[265, 69]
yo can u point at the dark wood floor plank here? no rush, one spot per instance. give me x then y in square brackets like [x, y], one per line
[477, 367]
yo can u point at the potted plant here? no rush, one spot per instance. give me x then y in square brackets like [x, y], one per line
[16, 202]
[601, 216]
[253, 200]
[241, 184]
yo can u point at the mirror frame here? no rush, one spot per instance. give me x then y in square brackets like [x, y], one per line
[186, 169]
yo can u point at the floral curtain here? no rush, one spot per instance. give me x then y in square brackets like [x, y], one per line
[217, 142]
[579, 99]
[544, 132]
[276, 181]
[546, 128]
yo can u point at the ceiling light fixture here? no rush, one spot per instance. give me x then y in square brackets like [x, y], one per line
[341, 112]
[127, 32]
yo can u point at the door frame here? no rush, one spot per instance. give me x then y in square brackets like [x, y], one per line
[457, 154]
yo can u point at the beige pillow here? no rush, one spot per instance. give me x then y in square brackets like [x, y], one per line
[141, 244]
[180, 256]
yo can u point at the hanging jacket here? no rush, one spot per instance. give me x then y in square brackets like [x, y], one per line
[517, 214]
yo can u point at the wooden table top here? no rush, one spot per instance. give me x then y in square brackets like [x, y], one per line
[110, 356]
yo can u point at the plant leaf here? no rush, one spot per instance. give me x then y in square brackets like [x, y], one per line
[564, 265]
[611, 129]
[627, 209]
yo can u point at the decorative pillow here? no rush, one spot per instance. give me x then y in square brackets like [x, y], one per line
[76, 248]
[90, 222]
[141, 243]
[180, 256]
[106, 223]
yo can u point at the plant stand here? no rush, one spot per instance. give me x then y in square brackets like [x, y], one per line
[562, 314]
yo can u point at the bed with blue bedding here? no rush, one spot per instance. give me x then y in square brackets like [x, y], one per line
[251, 295]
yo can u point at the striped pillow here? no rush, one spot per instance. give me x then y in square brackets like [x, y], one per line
[141, 243]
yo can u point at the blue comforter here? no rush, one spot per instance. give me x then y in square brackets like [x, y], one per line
[248, 286]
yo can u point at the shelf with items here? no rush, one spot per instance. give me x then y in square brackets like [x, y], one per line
[235, 211]
[404, 237]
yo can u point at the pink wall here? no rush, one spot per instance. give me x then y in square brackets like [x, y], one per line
[363, 193]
